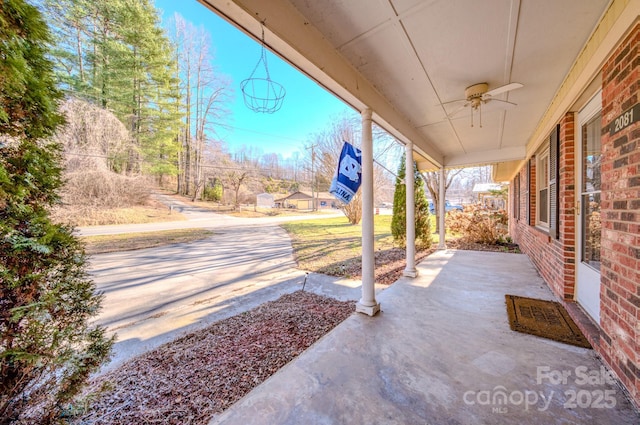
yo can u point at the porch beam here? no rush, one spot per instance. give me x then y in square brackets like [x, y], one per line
[490, 156]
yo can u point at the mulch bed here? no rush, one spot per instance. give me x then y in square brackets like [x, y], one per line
[192, 378]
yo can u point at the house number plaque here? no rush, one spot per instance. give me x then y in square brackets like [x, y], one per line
[625, 119]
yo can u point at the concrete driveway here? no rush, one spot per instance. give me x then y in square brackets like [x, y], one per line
[155, 295]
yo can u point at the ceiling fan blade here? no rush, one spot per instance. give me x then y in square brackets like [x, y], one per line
[503, 89]
[454, 101]
[458, 110]
[500, 104]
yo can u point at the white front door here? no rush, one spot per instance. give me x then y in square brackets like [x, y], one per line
[588, 230]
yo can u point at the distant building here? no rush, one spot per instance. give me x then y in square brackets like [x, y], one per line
[303, 200]
[485, 195]
[265, 200]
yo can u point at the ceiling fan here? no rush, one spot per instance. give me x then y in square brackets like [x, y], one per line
[479, 94]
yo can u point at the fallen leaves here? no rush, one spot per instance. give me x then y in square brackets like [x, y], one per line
[390, 264]
[190, 379]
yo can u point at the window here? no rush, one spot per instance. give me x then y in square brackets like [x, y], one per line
[542, 189]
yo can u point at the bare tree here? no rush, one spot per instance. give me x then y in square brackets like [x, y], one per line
[205, 96]
[271, 164]
[235, 178]
[323, 159]
[432, 181]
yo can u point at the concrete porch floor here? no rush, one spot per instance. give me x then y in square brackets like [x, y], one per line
[441, 352]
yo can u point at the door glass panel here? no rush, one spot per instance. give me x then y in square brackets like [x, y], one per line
[590, 197]
[591, 230]
[591, 155]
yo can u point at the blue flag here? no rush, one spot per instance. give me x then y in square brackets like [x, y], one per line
[347, 179]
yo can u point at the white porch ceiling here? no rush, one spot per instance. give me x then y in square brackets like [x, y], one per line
[406, 59]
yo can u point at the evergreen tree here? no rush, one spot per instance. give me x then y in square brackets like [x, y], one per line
[423, 223]
[115, 54]
[399, 219]
[47, 348]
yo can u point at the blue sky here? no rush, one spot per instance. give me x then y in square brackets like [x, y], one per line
[307, 108]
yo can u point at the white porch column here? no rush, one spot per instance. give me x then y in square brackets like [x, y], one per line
[410, 208]
[367, 304]
[441, 211]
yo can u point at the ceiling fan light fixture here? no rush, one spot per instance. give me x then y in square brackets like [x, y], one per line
[476, 91]
[477, 94]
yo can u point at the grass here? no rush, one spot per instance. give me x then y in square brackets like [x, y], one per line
[152, 213]
[333, 246]
[324, 245]
[130, 241]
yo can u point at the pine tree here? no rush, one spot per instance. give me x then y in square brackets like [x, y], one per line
[423, 224]
[116, 55]
[399, 219]
[47, 348]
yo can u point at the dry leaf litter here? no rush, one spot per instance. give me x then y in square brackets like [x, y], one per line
[192, 378]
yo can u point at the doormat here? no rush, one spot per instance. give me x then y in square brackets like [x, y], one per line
[547, 319]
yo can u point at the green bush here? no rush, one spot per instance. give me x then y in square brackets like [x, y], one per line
[212, 193]
[399, 220]
[47, 348]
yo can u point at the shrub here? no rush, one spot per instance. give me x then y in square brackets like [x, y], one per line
[104, 189]
[479, 225]
[47, 347]
[212, 193]
[399, 220]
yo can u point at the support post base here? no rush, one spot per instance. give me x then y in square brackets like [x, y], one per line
[410, 273]
[368, 310]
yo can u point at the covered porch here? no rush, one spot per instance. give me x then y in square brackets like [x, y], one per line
[462, 83]
[457, 83]
[444, 354]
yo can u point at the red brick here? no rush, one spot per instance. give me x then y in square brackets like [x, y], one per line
[620, 171]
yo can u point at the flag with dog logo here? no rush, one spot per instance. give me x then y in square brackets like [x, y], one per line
[348, 176]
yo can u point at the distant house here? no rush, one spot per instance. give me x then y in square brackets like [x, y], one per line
[303, 200]
[485, 193]
[265, 200]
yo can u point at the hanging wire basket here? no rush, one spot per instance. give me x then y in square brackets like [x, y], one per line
[262, 94]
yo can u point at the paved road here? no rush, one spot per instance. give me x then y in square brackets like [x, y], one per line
[154, 295]
[197, 218]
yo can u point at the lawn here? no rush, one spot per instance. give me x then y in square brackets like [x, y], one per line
[325, 245]
[333, 246]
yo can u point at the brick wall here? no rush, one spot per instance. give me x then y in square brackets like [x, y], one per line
[554, 258]
[618, 338]
[567, 202]
[620, 272]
